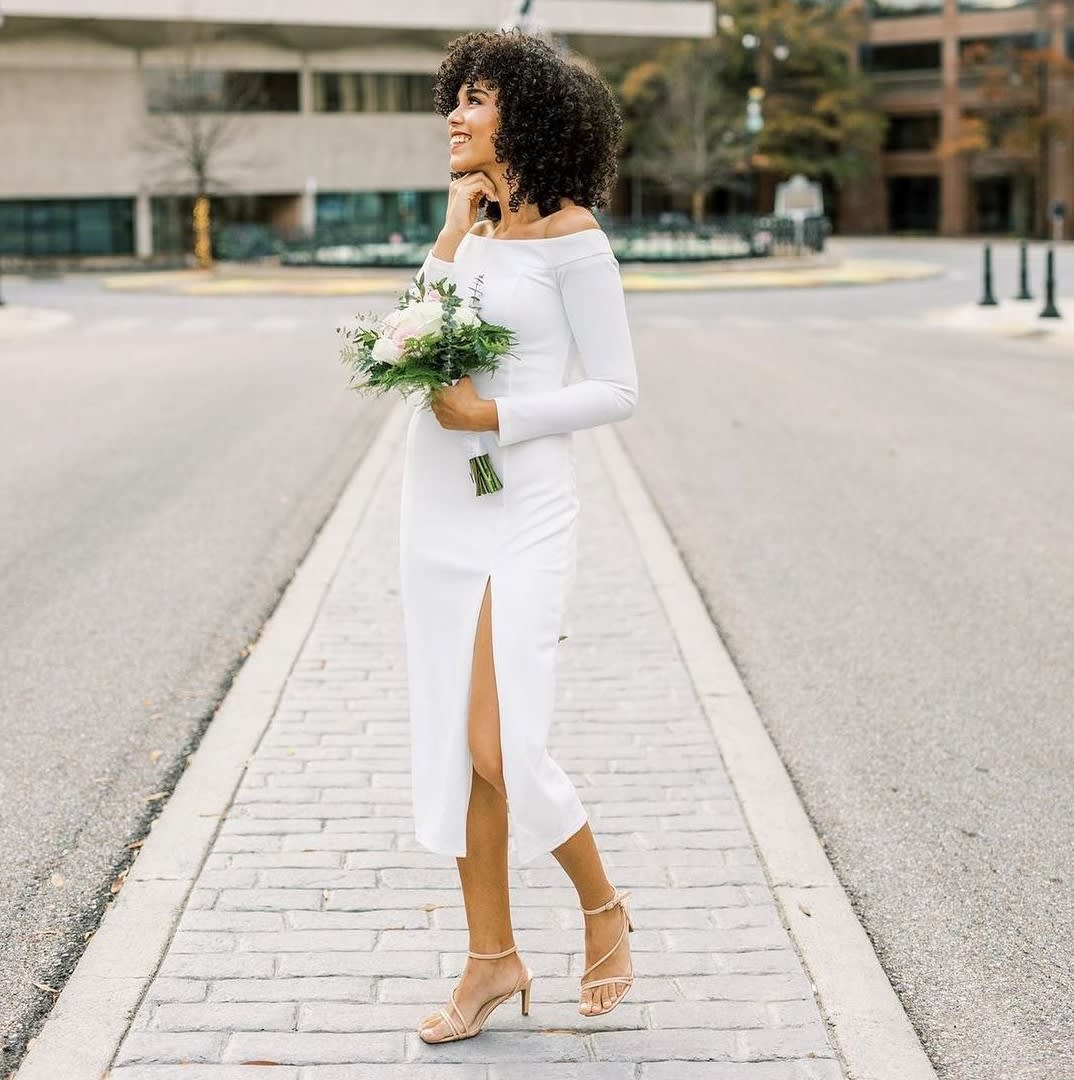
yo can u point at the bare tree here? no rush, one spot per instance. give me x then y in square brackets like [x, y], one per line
[193, 115]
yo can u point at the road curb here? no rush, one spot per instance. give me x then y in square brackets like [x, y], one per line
[866, 1020]
[90, 1018]
[637, 277]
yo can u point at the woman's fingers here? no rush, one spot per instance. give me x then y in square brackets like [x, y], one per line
[444, 406]
[480, 183]
[464, 196]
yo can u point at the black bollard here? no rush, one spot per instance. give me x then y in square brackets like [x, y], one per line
[1023, 273]
[987, 300]
[1050, 310]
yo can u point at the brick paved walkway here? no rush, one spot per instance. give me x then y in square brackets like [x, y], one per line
[319, 932]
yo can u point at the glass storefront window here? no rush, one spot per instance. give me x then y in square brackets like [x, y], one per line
[373, 216]
[349, 207]
[242, 216]
[67, 226]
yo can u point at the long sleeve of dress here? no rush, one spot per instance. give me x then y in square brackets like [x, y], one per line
[435, 268]
[592, 293]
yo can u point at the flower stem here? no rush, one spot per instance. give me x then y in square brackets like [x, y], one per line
[484, 475]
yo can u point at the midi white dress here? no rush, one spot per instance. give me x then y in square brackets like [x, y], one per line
[563, 299]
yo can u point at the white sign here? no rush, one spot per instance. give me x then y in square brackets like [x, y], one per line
[799, 198]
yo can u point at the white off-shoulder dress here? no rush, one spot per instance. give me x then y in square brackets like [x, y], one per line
[563, 298]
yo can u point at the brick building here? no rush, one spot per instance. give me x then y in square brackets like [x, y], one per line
[919, 52]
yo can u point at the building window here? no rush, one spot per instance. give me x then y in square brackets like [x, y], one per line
[372, 91]
[886, 9]
[920, 132]
[373, 216]
[1002, 69]
[913, 203]
[231, 217]
[1003, 204]
[67, 226]
[917, 56]
[1006, 49]
[169, 90]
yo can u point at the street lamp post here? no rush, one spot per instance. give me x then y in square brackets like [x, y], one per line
[754, 126]
[755, 98]
[520, 15]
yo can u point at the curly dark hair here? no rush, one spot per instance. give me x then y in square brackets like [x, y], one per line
[559, 123]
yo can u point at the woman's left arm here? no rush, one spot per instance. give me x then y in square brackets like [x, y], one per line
[593, 298]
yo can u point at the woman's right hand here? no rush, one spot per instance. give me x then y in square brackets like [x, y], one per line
[464, 194]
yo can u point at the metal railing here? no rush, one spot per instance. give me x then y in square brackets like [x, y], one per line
[666, 238]
[926, 81]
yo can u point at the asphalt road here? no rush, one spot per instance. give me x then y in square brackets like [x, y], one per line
[881, 519]
[163, 470]
[878, 512]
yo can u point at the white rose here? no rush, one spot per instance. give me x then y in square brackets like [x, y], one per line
[386, 351]
[466, 316]
[422, 318]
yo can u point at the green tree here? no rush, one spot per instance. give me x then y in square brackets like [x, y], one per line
[819, 109]
[684, 130]
[686, 107]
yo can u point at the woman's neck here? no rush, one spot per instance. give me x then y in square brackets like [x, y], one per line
[513, 221]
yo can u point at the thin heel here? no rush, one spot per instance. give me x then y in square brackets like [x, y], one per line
[526, 998]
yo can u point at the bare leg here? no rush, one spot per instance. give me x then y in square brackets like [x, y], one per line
[483, 870]
[578, 855]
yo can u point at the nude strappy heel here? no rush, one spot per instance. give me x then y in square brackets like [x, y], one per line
[617, 900]
[468, 1030]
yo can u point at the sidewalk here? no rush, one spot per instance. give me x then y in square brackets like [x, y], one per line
[317, 931]
[1012, 319]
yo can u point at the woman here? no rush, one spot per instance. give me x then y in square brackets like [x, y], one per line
[485, 578]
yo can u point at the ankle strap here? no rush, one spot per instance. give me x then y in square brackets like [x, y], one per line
[493, 955]
[610, 904]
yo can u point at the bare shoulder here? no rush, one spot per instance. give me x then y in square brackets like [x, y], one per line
[482, 227]
[570, 219]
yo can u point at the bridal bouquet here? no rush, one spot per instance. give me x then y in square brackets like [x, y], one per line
[432, 338]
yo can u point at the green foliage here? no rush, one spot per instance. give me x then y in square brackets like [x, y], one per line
[686, 130]
[1011, 115]
[686, 107]
[428, 361]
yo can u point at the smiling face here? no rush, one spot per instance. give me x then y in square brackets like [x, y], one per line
[475, 115]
